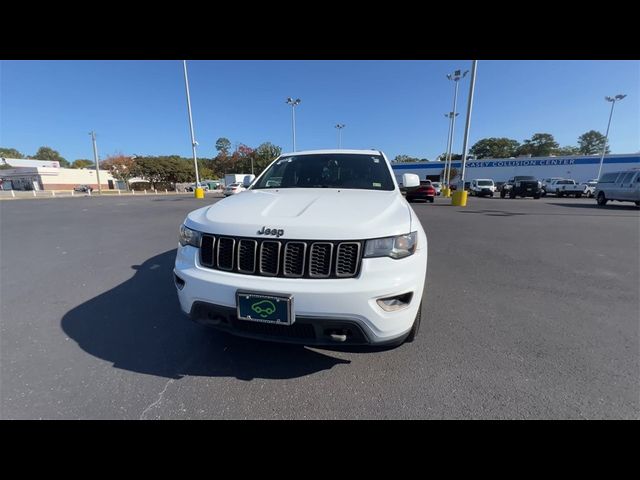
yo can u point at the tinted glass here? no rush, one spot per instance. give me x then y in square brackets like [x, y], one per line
[525, 177]
[627, 177]
[331, 170]
[485, 183]
[608, 177]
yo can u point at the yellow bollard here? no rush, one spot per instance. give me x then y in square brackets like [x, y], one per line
[459, 198]
[199, 192]
[445, 192]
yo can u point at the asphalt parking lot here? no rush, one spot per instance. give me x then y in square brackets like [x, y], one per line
[532, 311]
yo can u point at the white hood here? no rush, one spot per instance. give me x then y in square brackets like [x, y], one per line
[307, 214]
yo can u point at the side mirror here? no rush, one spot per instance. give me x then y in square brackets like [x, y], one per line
[247, 180]
[410, 180]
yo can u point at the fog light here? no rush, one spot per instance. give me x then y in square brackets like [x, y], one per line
[396, 302]
[178, 281]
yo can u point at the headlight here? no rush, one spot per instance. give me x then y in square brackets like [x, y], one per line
[186, 236]
[394, 247]
[539, 184]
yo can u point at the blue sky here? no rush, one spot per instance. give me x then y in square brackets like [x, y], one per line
[396, 106]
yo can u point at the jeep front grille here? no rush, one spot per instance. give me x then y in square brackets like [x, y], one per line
[282, 258]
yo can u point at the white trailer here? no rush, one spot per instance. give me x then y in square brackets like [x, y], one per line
[230, 178]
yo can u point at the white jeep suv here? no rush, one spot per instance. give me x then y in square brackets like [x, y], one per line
[330, 253]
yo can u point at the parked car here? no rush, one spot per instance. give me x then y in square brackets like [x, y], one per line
[233, 188]
[565, 187]
[590, 187]
[482, 187]
[335, 255]
[621, 186]
[83, 188]
[425, 191]
[438, 187]
[545, 182]
[522, 186]
[192, 187]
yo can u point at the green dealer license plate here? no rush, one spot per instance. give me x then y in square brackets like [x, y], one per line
[265, 308]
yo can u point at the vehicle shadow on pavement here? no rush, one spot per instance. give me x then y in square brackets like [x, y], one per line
[594, 206]
[138, 326]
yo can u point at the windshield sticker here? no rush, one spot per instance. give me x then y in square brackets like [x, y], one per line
[377, 184]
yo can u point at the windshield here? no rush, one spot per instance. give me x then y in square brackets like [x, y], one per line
[328, 170]
[485, 183]
[528, 177]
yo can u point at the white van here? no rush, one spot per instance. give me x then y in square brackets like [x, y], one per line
[619, 186]
[481, 187]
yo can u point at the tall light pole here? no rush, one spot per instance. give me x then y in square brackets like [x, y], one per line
[472, 86]
[606, 135]
[340, 126]
[194, 144]
[450, 116]
[455, 77]
[293, 103]
[95, 157]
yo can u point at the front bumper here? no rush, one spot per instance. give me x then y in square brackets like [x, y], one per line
[322, 306]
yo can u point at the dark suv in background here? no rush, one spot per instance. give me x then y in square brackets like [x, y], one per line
[522, 186]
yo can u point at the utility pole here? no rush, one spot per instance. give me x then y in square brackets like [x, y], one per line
[194, 144]
[455, 77]
[340, 126]
[613, 101]
[95, 157]
[450, 116]
[472, 87]
[293, 103]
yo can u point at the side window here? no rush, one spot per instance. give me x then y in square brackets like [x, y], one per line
[627, 177]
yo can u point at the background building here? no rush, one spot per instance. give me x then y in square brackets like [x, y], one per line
[48, 175]
[577, 167]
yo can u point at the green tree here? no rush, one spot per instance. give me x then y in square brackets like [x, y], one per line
[83, 163]
[223, 145]
[495, 148]
[454, 156]
[150, 169]
[405, 159]
[48, 153]
[121, 167]
[10, 153]
[539, 145]
[591, 143]
[264, 155]
[569, 150]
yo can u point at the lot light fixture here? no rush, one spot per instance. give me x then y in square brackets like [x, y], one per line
[194, 144]
[613, 101]
[293, 103]
[455, 77]
[340, 126]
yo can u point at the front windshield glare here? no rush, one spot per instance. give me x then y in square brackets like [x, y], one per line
[332, 170]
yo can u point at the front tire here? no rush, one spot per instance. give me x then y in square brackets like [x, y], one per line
[503, 194]
[602, 200]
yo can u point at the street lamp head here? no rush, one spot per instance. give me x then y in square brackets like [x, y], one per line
[620, 96]
[289, 100]
[609, 99]
[297, 102]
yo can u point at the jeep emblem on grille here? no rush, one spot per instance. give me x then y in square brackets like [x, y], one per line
[277, 232]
